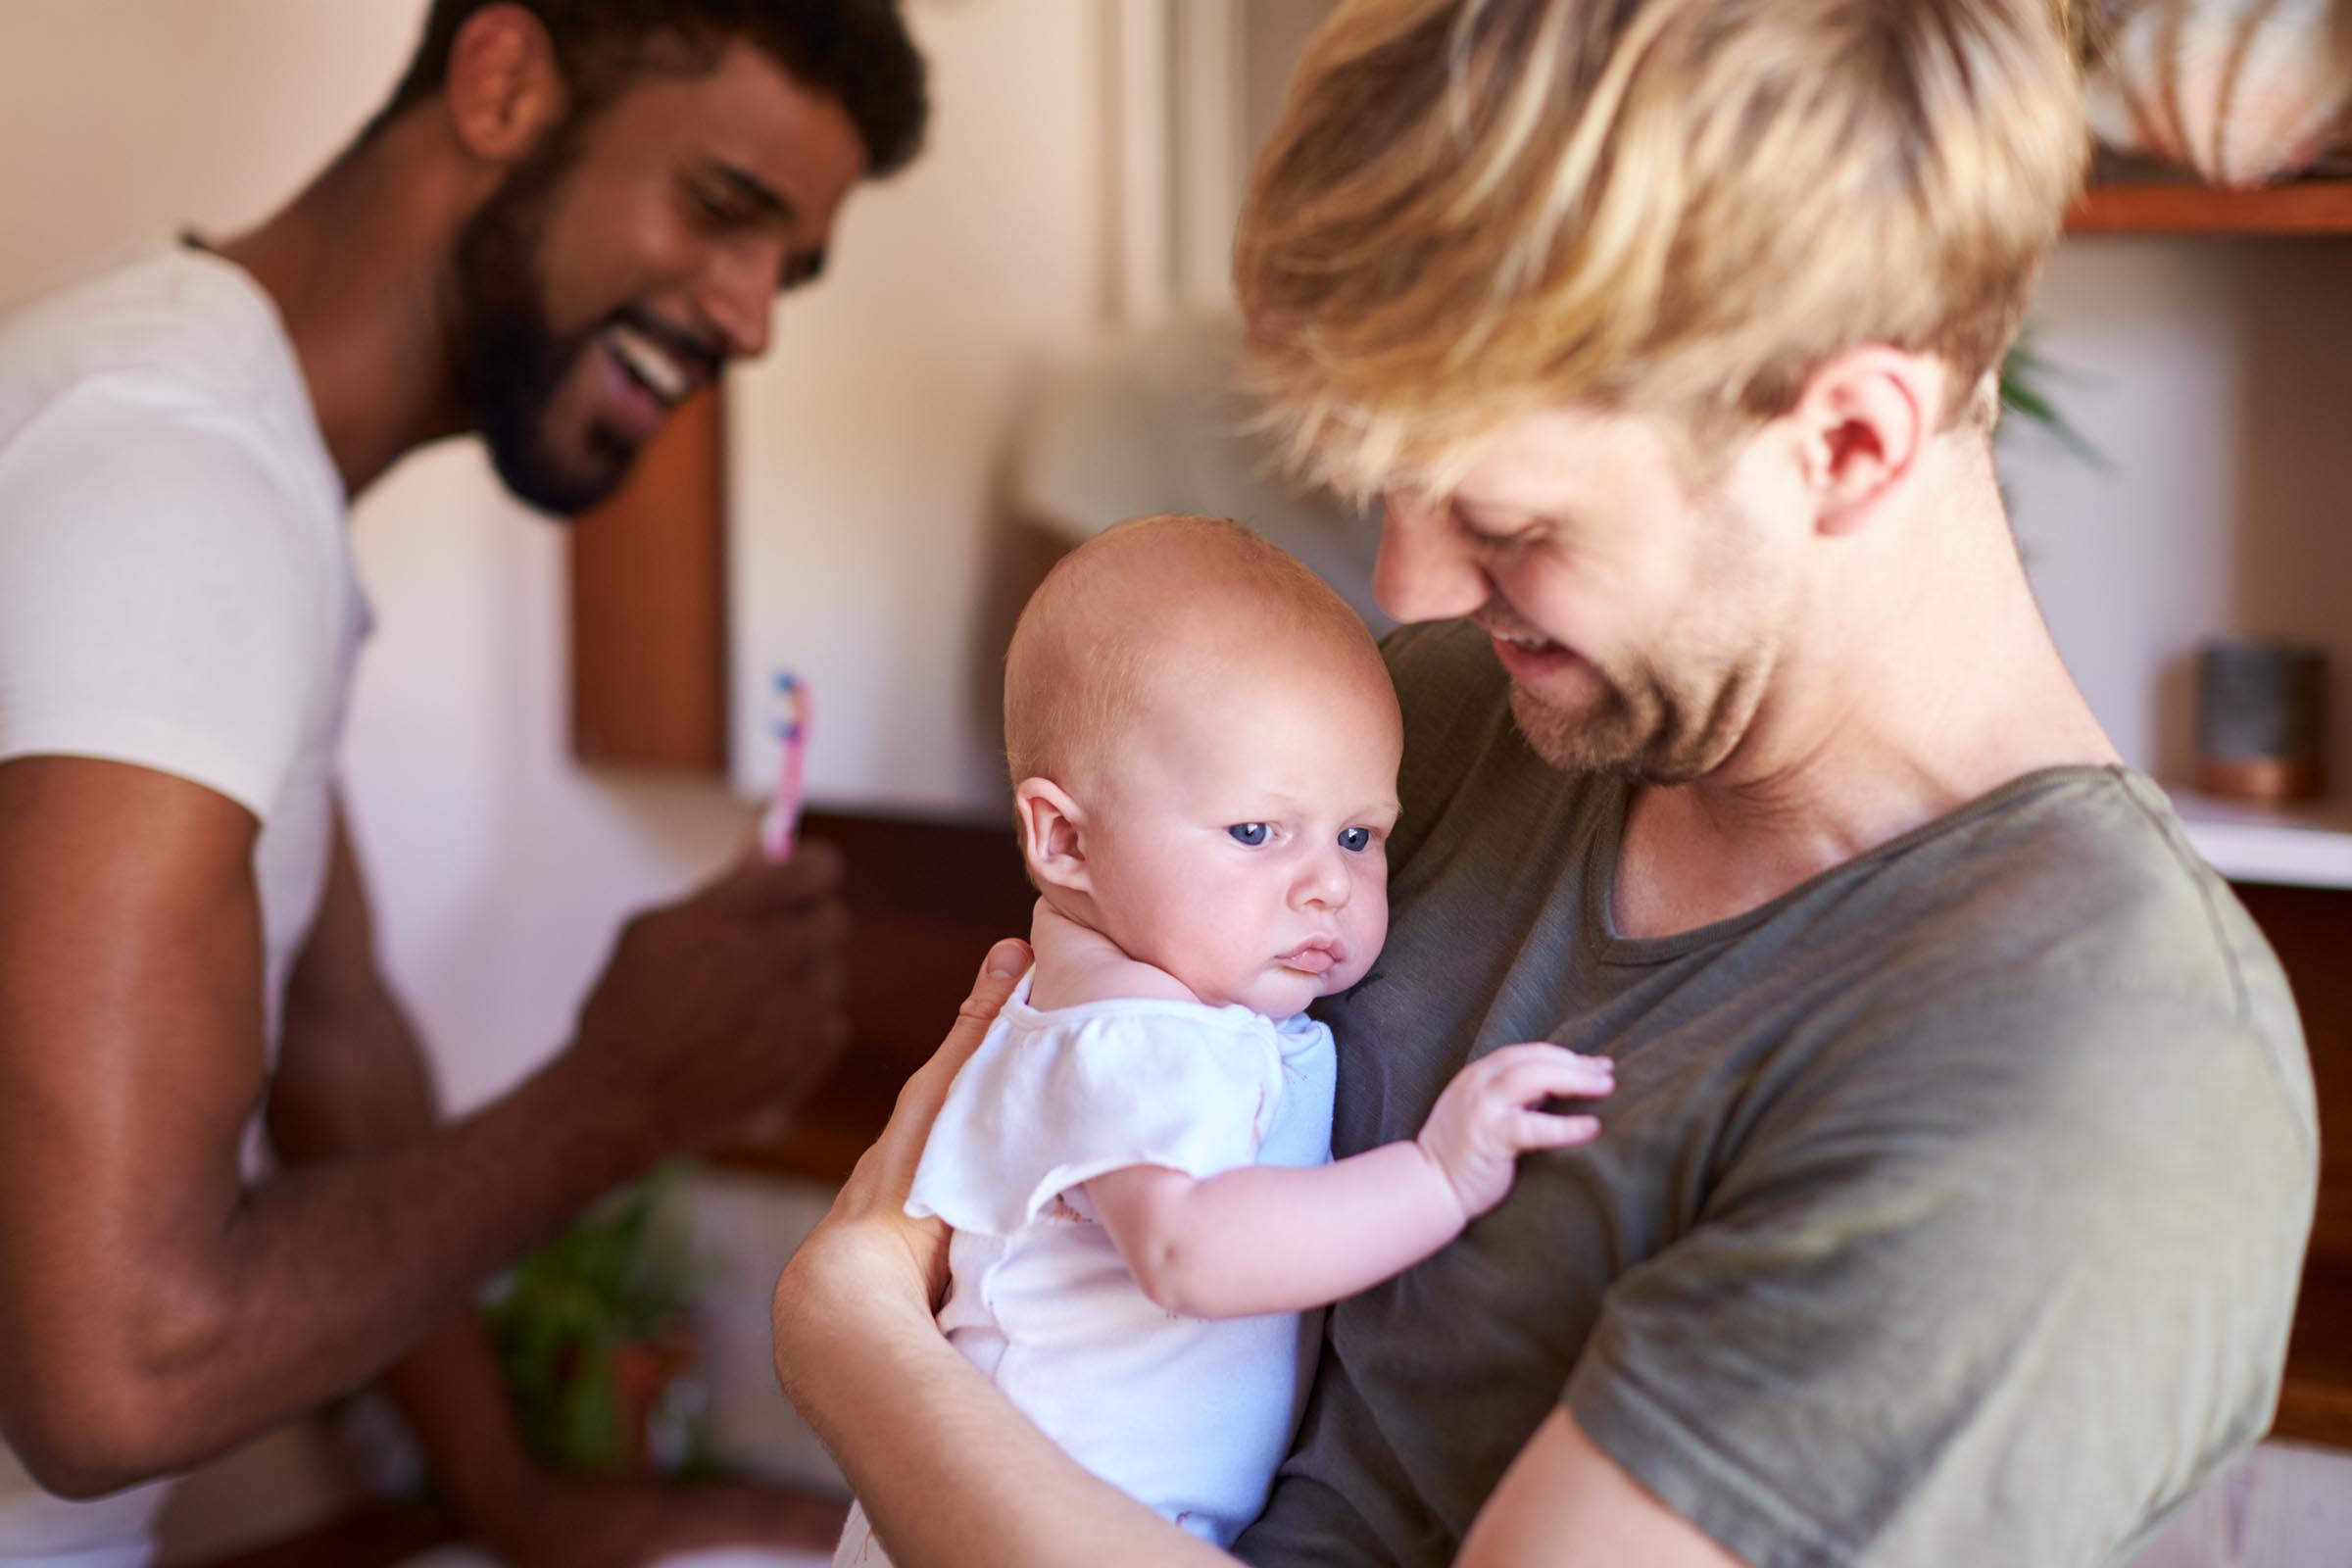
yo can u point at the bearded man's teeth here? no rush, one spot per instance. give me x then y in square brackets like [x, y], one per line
[667, 377]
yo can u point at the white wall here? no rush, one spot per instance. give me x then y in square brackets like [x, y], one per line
[2216, 375]
[124, 119]
[863, 465]
[1059, 195]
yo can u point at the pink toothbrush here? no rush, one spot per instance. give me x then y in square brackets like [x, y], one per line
[780, 823]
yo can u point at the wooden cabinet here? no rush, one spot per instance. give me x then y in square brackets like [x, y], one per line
[2310, 928]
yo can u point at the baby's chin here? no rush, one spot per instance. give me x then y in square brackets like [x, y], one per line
[1279, 993]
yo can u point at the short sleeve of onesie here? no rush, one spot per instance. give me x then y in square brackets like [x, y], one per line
[1933, 1307]
[159, 604]
[1052, 1099]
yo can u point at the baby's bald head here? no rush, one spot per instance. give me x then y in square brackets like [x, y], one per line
[1149, 611]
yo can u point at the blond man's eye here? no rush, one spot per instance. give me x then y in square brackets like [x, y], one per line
[1252, 834]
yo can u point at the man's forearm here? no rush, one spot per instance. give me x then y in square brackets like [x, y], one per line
[357, 1085]
[1273, 1239]
[454, 1398]
[952, 1474]
[157, 1307]
[322, 1276]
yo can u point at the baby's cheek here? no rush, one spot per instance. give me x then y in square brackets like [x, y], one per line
[1373, 933]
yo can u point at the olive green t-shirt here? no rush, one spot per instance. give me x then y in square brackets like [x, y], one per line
[1948, 1211]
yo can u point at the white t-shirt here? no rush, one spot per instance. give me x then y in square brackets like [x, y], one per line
[1189, 1416]
[176, 591]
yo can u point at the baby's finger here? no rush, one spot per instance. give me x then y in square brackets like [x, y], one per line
[1512, 1058]
[1542, 1129]
[1541, 1050]
[1563, 1074]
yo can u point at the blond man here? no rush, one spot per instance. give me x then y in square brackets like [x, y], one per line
[1951, 1201]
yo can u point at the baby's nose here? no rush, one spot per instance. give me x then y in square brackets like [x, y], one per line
[1324, 883]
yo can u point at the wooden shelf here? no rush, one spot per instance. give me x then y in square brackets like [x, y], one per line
[2307, 845]
[2151, 204]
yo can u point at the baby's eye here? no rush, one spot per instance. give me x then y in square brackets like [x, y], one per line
[1251, 833]
[1353, 839]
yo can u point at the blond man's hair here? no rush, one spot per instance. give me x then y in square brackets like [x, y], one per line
[1475, 208]
[1114, 613]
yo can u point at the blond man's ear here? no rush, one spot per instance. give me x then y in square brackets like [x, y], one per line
[1863, 422]
[1053, 835]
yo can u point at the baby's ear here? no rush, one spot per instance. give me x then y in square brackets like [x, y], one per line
[1053, 835]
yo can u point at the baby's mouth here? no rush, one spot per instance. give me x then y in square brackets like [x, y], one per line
[1316, 955]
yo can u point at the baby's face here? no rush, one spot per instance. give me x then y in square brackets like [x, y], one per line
[1241, 840]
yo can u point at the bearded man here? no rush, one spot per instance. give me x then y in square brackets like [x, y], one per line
[569, 215]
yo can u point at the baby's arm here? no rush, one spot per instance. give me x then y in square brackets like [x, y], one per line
[1273, 1239]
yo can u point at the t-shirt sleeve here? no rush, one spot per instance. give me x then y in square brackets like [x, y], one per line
[158, 606]
[1036, 1112]
[1994, 1312]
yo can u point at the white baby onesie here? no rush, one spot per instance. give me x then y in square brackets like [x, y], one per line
[1189, 1416]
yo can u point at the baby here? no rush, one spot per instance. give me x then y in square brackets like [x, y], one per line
[1137, 1160]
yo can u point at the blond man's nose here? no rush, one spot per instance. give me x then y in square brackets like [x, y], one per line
[1425, 570]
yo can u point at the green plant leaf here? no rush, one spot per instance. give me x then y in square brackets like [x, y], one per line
[2024, 375]
[622, 1274]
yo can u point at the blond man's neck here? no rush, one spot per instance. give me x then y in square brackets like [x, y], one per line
[1922, 677]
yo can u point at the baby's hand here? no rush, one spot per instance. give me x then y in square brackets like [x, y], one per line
[1483, 1121]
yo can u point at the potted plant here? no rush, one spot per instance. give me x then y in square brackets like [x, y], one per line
[594, 1334]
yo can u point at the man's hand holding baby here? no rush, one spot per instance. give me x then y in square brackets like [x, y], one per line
[868, 1219]
[1487, 1117]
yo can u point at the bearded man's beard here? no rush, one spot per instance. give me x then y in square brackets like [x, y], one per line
[510, 360]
